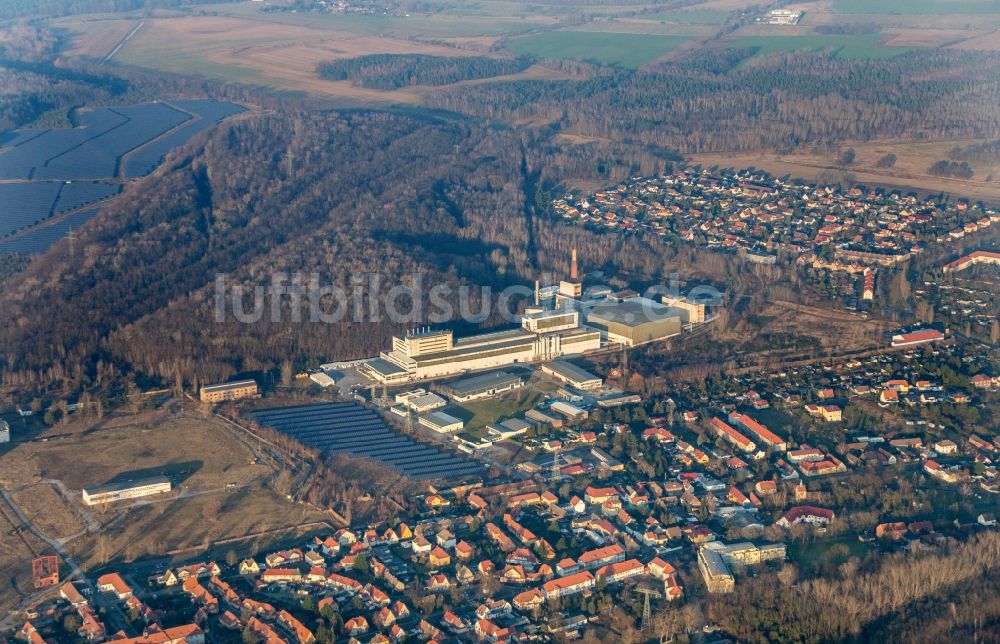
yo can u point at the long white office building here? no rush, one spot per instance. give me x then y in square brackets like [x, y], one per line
[426, 353]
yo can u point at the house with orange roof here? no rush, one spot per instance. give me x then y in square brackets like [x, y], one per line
[187, 634]
[598, 495]
[299, 632]
[113, 583]
[619, 572]
[569, 585]
[356, 626]
[723, 430]
[438, 583]
[438, 557]
[464, 550]
[453, 622]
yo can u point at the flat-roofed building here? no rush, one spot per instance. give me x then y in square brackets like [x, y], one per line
[551, 320]
[484, 386]
[111, 492]
[572, 374]
[571, 412]
[384, 370]
[420, 401]
[544, 334]
[634, 321]
[236, 390]
[508, 428]
[747, 553]
[690, 312]
[4, 432]
[442, 423]
[718, 578]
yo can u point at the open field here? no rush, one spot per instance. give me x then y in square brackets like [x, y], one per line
[198, 452]
[689, 17]
[159, 528]
[279, 51]
[624, 49]
[218, 494]
[865, 46]
[799, 331]
[17, 548]
[918, 7]
[910, 171]
[48, 510]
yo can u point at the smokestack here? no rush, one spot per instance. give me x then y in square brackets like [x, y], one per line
[538, 296]
[573, 276]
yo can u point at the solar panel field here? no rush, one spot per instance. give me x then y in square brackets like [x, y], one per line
[347, 428]
[149, 157]
[110, 142]
[40, 238]
[26, 204]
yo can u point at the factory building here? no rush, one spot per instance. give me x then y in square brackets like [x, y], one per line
[484, 386]
[561, 322]
[572, 374]
[441, 422]
[112, 492]
[634, 321]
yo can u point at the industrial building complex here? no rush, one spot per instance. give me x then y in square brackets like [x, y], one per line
[563, 321]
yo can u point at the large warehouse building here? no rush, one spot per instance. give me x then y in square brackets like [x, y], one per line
[635, 321]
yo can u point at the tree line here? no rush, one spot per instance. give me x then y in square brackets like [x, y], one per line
[392, 71]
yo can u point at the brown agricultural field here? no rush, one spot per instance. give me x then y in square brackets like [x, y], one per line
[913, 159]
[267, 52]
[984, 42]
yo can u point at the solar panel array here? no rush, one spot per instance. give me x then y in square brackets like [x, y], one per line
[348, 428]
[211, 112]
[42, 159]
[40, 238]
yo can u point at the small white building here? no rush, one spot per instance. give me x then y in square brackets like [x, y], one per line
[4, 432]
[322, 379]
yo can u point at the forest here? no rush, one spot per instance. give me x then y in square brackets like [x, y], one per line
[777, 102]
[392, 71]
[953, 595]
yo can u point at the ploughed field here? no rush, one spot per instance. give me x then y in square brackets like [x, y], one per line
[347, 428]
[50, 177]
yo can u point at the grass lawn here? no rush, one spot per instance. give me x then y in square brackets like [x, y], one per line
[621, 49]
[812, 555]
[917, 7]
[693, 17]
[480, 413]
[867, 46]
